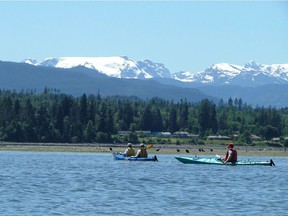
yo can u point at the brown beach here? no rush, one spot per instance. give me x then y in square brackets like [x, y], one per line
[156, 149]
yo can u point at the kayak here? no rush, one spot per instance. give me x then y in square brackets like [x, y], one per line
[122, 157]
[217, 161]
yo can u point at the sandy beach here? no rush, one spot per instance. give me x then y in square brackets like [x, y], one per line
[156, 149]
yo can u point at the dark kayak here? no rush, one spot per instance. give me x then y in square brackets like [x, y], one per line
[217, 161]
[122, 157]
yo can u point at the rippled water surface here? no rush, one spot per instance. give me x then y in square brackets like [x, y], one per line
[95, 184]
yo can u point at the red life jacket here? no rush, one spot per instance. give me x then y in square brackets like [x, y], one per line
[234, 155]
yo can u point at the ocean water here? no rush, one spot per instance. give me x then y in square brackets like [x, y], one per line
[95, 184]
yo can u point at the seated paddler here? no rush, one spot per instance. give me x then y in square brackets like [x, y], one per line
[231, 154]
[129, 151]
[142, 152]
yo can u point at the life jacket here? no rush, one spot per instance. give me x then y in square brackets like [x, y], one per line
[234, 155]
[131, 152]
[143, 153]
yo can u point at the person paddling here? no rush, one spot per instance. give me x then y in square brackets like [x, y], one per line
[130, 151]
[142, 152]
[231, 154]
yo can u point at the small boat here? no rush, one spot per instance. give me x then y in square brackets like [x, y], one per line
[217, 161]
[122, 157]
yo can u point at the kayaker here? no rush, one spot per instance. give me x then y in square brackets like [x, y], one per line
[142, 152]
[130, 151]
[231, 154]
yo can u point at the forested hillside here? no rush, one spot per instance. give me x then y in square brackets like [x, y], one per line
[55, 117]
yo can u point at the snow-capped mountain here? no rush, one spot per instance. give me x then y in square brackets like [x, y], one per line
[118, 67]
[251, 74]
[256, 84]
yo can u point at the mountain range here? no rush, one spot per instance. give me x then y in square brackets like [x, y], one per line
[79, 80]
[251, 74]
[256, 84]
[118, 67]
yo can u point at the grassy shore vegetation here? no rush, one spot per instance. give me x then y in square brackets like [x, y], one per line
[217, 148]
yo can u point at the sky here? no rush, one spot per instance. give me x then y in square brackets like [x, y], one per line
[183, 35]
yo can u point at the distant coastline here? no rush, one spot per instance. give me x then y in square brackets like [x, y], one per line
[157, 149]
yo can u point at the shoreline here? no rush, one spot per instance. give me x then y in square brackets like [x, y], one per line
[155, 150]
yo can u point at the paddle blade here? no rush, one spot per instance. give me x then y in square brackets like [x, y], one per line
[149, 146]
[218, 157]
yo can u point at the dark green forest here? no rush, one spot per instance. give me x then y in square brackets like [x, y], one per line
[61, 118]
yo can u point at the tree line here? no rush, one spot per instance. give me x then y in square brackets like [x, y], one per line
[62, 118]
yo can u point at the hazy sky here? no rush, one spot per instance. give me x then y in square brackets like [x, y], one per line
[187, 35]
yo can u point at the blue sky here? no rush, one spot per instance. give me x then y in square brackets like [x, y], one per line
[185, 35]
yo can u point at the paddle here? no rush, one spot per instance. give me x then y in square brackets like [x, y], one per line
[149, 146]
[219, 158]
[272, 162]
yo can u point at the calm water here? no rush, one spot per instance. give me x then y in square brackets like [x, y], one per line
[95, 184]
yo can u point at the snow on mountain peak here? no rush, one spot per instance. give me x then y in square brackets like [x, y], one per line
[154, 69]
[226, 69]
[115, 66]
[252, 65]
[30, 61]
[250, 74]
[183, 76]
[110, 66]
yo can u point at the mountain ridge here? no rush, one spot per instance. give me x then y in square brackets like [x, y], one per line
[115, 66]
[79, 80]
[251, 74]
